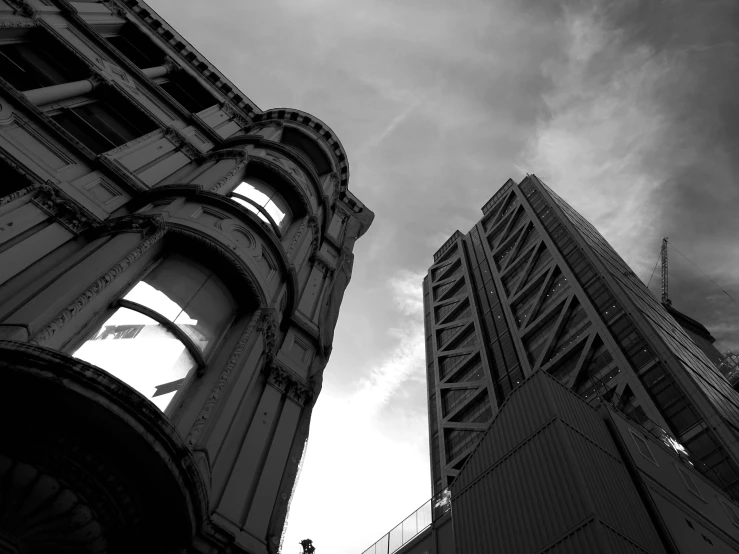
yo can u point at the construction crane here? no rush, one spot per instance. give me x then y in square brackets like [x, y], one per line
[663, 254]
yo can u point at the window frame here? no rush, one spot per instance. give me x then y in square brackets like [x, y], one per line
[638, 441]
[279, 231]
[112, 102]
[689, 482]
[201, 359]
[730, 511]
[26, 35]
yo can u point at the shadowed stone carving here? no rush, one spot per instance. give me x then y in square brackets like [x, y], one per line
[215, 395]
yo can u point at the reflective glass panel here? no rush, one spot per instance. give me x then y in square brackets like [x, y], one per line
[252, 208]
[140, 352]
[189, 296]
[256, 191]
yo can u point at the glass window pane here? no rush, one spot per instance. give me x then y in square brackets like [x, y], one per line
[187, 295]
[256, 191]
[140, 352]
[252, 208]
[205, 316]
[146, 295]
[274, 212]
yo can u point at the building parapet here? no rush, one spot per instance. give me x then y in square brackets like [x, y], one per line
[447, 245]
[498, 195]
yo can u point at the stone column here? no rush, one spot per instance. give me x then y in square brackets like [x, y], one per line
[55, 93]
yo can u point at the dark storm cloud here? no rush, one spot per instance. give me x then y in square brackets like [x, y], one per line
[699, 197]
[670, 70]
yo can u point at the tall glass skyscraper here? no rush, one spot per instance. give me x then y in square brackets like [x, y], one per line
[534, 286]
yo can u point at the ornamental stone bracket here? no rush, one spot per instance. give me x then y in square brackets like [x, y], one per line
[288, 383]
[322, 265]
[23, 7]
[262, 124]
[146, 224]
[63, 209]
[223, 381]
[267, 324]
[235, 115]
[114, 8]
[181, 142]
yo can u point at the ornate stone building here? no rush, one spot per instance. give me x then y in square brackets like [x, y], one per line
[172, 263]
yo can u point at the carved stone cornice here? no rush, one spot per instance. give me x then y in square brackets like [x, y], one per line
[235, 115]
[181, 142]
[316, 232]
[129, 144]
[79, 303]
[22, 7]
[335, 187]
[298, 234]
[224, 154]
[270, 335]
[322, 265]
[18, 23]
[147, 224]
[223, 379]
[171, 65]
[63, 209]
[233, 261]
[114, 8]
[287, 382]
[17, 194]
[274, 167]
[262, 124]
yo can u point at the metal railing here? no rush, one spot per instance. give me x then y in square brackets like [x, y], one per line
[414, 524]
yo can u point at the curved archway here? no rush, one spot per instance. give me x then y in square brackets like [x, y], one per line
[320, 130]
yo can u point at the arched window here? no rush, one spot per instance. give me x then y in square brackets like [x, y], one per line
[162, 329]
[258, 197]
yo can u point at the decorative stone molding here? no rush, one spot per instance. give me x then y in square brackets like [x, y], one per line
[298, 234]
[43, 335]
[235, 116]
[147, 224]
[263, 124]
[17, 23]
[270, 335]
[322, 265]
[17, 194]
[316, 238]
[282, 174]
[223, 379]
[287, 382]
[171, 65]
[238, 168]
[335, 187]
[181, 142]
[55, 508]
[22, 7]
[134, 142]
[225, 154]
[228, 256]
[114, 8]
[63, 209]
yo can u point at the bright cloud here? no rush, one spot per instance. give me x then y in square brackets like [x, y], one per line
[351, 462]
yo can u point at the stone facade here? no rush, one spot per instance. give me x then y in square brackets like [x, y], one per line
[120, 148]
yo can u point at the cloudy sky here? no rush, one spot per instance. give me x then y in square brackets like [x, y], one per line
[627, 109]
